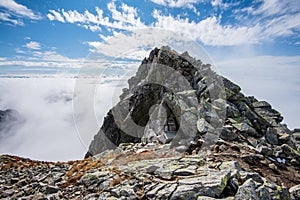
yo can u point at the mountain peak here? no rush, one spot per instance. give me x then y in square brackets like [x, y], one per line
[176, 99]
[179, 131]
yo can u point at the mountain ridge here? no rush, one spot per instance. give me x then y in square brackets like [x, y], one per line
[179, 131]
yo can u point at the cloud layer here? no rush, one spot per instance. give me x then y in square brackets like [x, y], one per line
[50, 131]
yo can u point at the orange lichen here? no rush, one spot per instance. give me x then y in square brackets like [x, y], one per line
[16, 162]
[116, 181]
[79, 168]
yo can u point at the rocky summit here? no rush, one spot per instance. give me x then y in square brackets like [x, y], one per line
[179, 131]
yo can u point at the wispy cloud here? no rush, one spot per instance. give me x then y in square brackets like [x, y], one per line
[14, 12]
[6, 17]
[177, 3]
[33, 45]
[209, 31]
[40, 58]
[276, 7]
[274, 17]
[53, 15]
[124, 17]
[259, 26]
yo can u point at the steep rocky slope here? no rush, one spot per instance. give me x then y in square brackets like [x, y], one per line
[180, 131]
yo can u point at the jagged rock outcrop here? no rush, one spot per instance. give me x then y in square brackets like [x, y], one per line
[175, 98]
[180, 131]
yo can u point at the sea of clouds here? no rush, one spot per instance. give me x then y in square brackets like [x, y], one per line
[62, 113]
[50, 131]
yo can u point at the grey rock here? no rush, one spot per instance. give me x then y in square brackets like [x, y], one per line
[92, 196]
[164, 173]
[247, 191]
[261, 104]
[166, 191]
[272, 136]
[7, 193]
[51, 189]
[267, 151]
[92, 178]
[295, 192]
[226, 133]
[244, 127]
[203, 126]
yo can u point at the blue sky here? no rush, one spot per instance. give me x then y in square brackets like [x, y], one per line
[43, 33]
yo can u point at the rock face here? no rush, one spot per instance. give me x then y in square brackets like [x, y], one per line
[179, 100]
[180, 131]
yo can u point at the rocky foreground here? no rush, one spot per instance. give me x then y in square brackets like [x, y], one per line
[136, 171]
[180, 131]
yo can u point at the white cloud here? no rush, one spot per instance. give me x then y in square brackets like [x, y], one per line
[177, 3]
[209, 31]
[15, 10]
[134, 45]
[274, 17]
[42, 59]
[216, 2]
[124, 18]
[44, 102]
[277, 7]
[282, 26]
[138, 43]
[33, 45]
[48, 102]
[53, 15]
[93, 28]
[6, 17]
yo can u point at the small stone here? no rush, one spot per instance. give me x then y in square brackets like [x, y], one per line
[227, 134]
[181, 148]
[295, 191]
[51, 189]
[7, 193]
[246, 191]
[271, 136]
[184, 172]
[273, 167]
[92, 196]
[151, 169]
[265, 150]
[14, 180]
[54, 196]
[164, 173]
